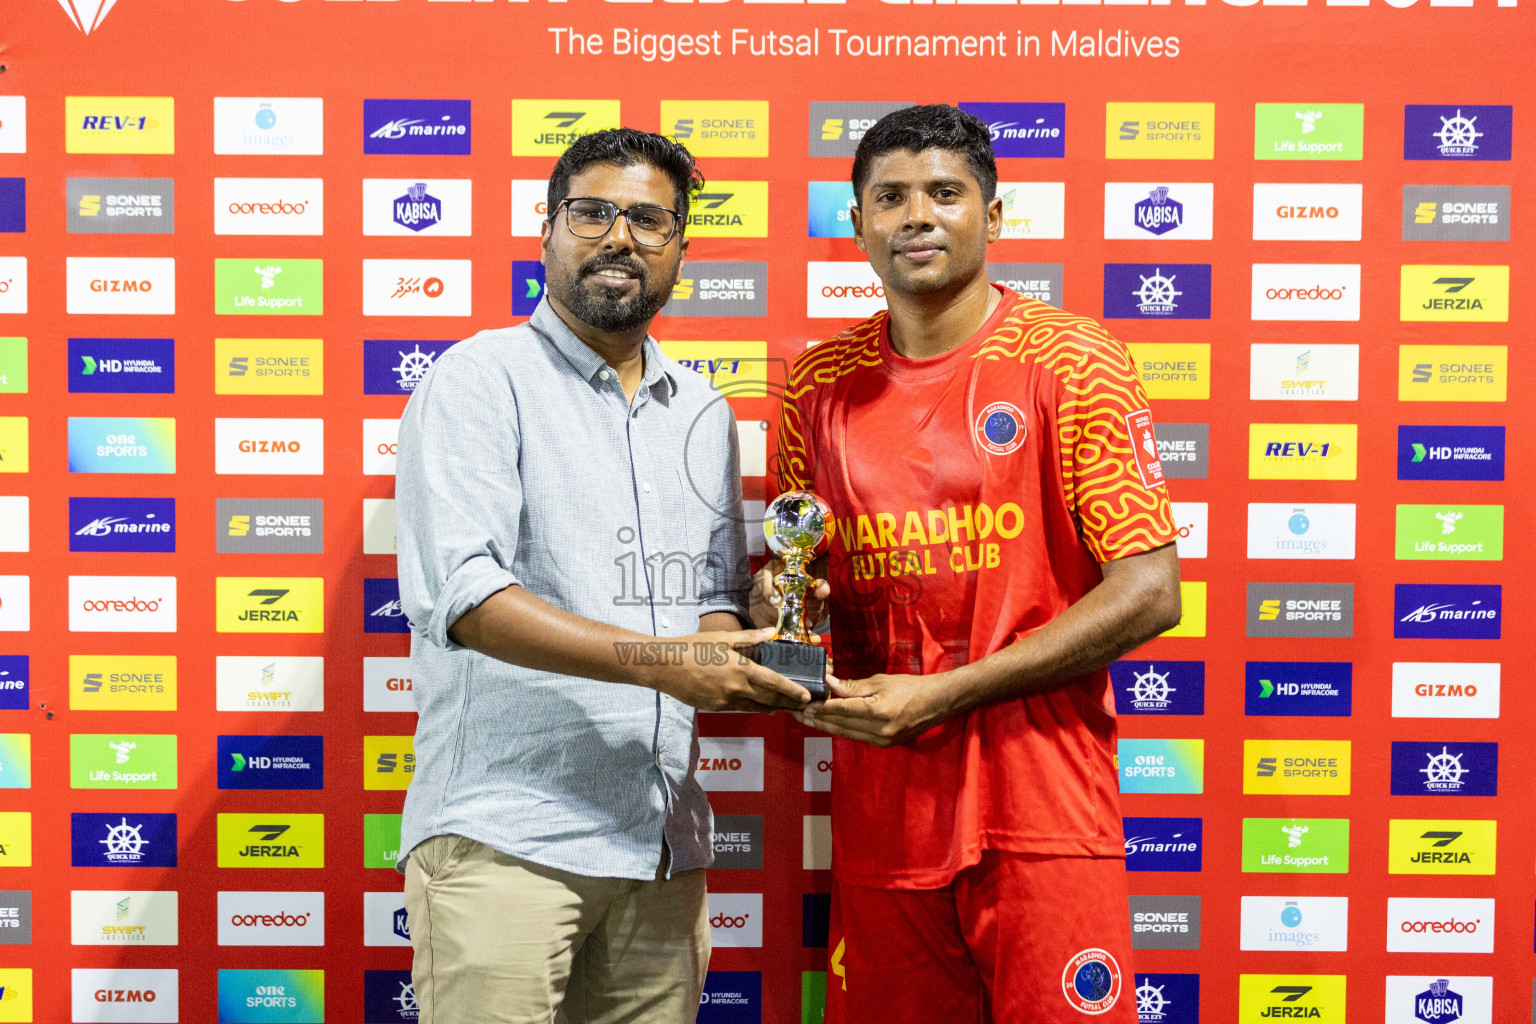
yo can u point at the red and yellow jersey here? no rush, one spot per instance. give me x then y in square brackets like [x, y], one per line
[975, 495]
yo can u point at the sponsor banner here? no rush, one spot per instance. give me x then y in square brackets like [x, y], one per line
[13, 366]
[717, 127]
[842, 290]
[1165, 922]
[1299, 688]
[1308, 373]
[1029, 130]
[1193, 520]
[382, 612]
[1445, 769]
[1416, 998]
[1163, 844]
[269, 287]
[122, 604]
[740, 369]
[715, 288]
[271, 918]
[1040, 281]
[1452, 373]
[120, 124]
[396, 367]
[1263, 997]
[731, 997]
[387, 685]
[818, 764]
[1439, 925]
[15, 523]
[816, 842]
[379, 526]
[1168, 998]
[731, 764]
[527, 286]
[1456, 213]
[287, 447]
[1192, 623]
[1457, 132]
[15, 760]
[829, 205]
[136, 996]
[1161, 766]
[1173, 369]
[268, 366]
[1183, 449]
[122, 682]
[1168, 291]
[15, 604]
[267, 683]
[270, 526]
[1424, 846]
[1150, 209]
[416, 288]
[1447, 611]
[1033, 209]
[1316, 767]
[1306, 291]
[1471, 294]
[837, 127]
[120, 206]
[381, 445]
[123, 840]
[122, 285]
[1307, 212]
[122, 524]
[121, 761]
[1451, 532]
[389, 762]
[736, 920]
[1301, 609]
[13, 205]
[271, 840]
[737, 841]
[1308, 131]
[1445, 689]
[1284, 530]
[269, 206]
[729, 209]
[406, 207]
[122, 444]
[1296, 845]
[16, 839]
[15, 682]
[530, 197]
[1302, 451]
[272, 996]
[1296, 924]
[417, 127]
[548, 127]
[120, 366]
[385, 922]
[1158, 687]
[118, 917]
[271, 762]
[389, 997]
[268, 126]
[1160, 131]
[13, 124]
[13, 284]
[381, 840]
[269, 604]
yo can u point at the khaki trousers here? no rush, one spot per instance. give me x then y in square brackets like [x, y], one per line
[499, 940]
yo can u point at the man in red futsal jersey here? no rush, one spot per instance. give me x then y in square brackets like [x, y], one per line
[1003, 533]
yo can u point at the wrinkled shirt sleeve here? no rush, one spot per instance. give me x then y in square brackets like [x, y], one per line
[727, 577]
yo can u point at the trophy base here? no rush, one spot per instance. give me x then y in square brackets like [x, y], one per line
[805, 664]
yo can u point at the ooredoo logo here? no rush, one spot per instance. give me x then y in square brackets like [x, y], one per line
[381, 444]
[1439, 925]
[842, 290]
[818, 764]
[1306, 291]
[736, 919]
[268, 206]
[122, 604]
[271, 918]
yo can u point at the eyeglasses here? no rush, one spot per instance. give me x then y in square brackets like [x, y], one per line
[594, 218]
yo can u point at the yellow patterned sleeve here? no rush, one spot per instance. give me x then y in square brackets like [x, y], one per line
[792, 467]
[1113, 477]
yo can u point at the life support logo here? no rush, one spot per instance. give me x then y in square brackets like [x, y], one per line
[1000, 428]
[1091, 982]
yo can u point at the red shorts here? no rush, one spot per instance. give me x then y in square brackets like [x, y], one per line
[1017, 939]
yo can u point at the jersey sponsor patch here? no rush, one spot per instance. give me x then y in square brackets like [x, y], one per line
[1139, 425]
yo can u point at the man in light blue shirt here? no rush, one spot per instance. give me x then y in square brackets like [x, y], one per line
[573, 561]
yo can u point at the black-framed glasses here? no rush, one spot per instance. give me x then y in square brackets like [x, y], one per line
[594, 218]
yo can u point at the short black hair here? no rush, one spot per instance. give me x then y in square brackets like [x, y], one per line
[930, 126]
[627, 147]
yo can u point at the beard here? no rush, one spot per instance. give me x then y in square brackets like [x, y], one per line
[606, 310]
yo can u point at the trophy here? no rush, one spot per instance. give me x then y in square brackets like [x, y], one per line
[796, 527]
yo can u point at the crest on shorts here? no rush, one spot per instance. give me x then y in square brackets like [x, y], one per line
[1000, 428]
[1091, 982]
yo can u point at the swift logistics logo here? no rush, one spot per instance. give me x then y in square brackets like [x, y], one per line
[267, 604]
[271, 762]
[122, 840]
[1296, 845]
[1445, 769]
[271, 840]
[1033, 209]
[417, 127]
[1467, 294]
[1161, 766]
[1160, 131]
[1030, 130]
[1451, 533]
[120, 124]
[396, 367]
[268, 287]
[269, 683]
[1317, 997]
[719, 288]
[1450, 453]
[1315, 767]
[1299, 688]
[1308, 131]
[120, 366]
[1158, 687]
[1301, 610]
[1163, 844]
[1421, 846]
[1452, 373]
[1159, 210]
[737, 128]
[1165, 291]
[124, 917]
[1456, 213]
[1457, 132]
[268, 366]
[1447, 611]
[548, 127]
[382, 612]
[1302, 451]
[122, 682]
[837, 127]
[1306, 373]
[120, 206]
[730, 209]
[122, 761]
[270, 525]
[122, 524]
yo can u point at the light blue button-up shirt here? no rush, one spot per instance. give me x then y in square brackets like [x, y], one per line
[522, 463]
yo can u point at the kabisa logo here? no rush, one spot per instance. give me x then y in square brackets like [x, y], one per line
[138, 206]
[1450, 453]
[275, 126]
[396, 367]
[1298, 688]
[382, 612]
[258, 997]
[1091, 982]
[718, 127]
[1024, 129]
[1175, 291]
[1447, 611]
[1162, 844]
[1478, 294]
[15, 682]
[417, 210]
[1158, 214]
[119, 124]
[548, 127]
[389, 997]
[1156, 209]
[1460, 1000]
[1320, 767]
[122, 524]
[1445, 769]
[271, 840]
[836, 128]
[122, 366]
[1167, 998]
[1158, 688]
[528, 286]
[1457, 132]
[1439, 847]
[409, 208]
[87, 15]
[123, 840]
[417, 127]
[1438, 1004]
[1460, 213]
[271, 762]
[1296, 845]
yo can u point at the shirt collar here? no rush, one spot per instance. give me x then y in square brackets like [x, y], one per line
[588, 363]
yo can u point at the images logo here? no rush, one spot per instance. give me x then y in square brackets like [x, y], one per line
[1450, 453]
[270, 997]
[1162, 844]
[1308, 131]
[396, 367]
[119, 840]
[264, 604]
[1177, 291]
[1461, 213]
[1307, 212]
[109, 682]
[718, 289]
[1301, 531]
[1437, 847]
[124, 206]
[271, 762]
[15, 682]
[1264, 997]
[1296, 845]
[118, 761]
[717, 127]
[1160, 131]
[1158, 688]
[1445, 690]
[1318, 767]
[836, 128]
[1299, 923]
[407, 208]
[262, 126]
[730, 209]
[133, 286]
[416, 288]
[1301, 451]
[1445, 769]
[1447, 611]
[122, 366]
[417, 127]
[1457, 132]
[1037, 130]
[1165, 922]
[271, 840]
[1162, 766]
[271, 525]
[269, 287]
[268, 206]
[122, 524]
[1452, 373]
[269, 446]
[122, 604]
[1299, 688]
[1478, 294]
[1305, 291]
[119, 124]
[548, 127]
[1152, 210]
[270, 684]
[1451, 532]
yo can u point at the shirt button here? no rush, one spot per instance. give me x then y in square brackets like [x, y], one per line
[666, 623]
[645, 486]
[660, 763]
[603, 375]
